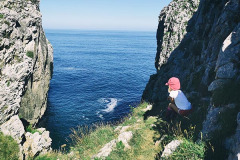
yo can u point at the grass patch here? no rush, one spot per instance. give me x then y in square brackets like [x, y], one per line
[88, 141]
[8, 148]
[30, 54]
[1, 16]
[142, 143]
[189, 150]
[31, 129]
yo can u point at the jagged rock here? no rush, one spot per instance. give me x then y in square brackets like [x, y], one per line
[212, 123]
[124, 128]
[26, 59]
[124, 137]
[37, 143]
[26, 64]
[173, 21]
[206, 59]
[208, 53]
[170, 148]
[14, 128]
[106, 150]
[233, 143]
[121, 129]
[219, 83]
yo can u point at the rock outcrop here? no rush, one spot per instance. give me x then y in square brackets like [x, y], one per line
[172, 26]
[26, 64]
[206, 60]
[36, 143]
[170, 148]
[25, 59]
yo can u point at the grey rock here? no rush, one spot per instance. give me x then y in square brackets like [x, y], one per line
[106, 150]
[173, 21]
[13, 128]
[211, 123]
[124, 137]
[233, 143]
[26, 61]
[170, 148]
[24, 80]
[37, 143]
[219, 83]
[226, 71]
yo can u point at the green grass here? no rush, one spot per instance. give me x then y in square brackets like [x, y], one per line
[87, 141]
[8, 148]
[30, 54]
[31, 129]
[189, 150]
[1, 16]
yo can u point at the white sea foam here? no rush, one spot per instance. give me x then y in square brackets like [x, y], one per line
[73, 69]
[111, 103]
[100, 115]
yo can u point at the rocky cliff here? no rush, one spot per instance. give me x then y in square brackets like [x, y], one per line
[26, 64]
[205, 59]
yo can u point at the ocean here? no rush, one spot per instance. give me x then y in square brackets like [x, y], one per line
[98, 76]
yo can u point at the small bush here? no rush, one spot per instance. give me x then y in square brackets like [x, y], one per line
[8, 148]
[30, 54]
[1, 16]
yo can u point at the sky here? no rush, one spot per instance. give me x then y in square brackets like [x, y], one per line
[139, 15]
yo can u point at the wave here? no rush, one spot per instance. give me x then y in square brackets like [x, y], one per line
[100, 115]
[111, 103]
[73, 69]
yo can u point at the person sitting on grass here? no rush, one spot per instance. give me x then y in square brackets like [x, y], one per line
[178, 101]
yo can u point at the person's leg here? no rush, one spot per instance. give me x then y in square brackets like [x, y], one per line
[173, 107]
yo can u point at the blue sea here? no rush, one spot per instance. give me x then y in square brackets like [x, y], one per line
[97, 76]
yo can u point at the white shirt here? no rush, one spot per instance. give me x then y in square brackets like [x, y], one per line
[180, 100]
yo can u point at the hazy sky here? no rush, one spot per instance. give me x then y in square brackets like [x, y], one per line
[102, 14]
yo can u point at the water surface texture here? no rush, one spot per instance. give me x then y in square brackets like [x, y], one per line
[97, 75]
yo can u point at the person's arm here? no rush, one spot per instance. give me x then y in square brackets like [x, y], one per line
[171, 99]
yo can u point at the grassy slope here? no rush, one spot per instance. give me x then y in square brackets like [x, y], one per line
[143, 144]
[9, 149]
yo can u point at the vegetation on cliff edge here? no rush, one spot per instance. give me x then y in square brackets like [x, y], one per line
[9, 149]
[148, 140]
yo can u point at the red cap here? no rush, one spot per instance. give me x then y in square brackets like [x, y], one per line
[173, 83]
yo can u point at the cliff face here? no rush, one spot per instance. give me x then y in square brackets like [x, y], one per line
[206, 61]
[26, 60]
[173, 21]
[26, 64]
